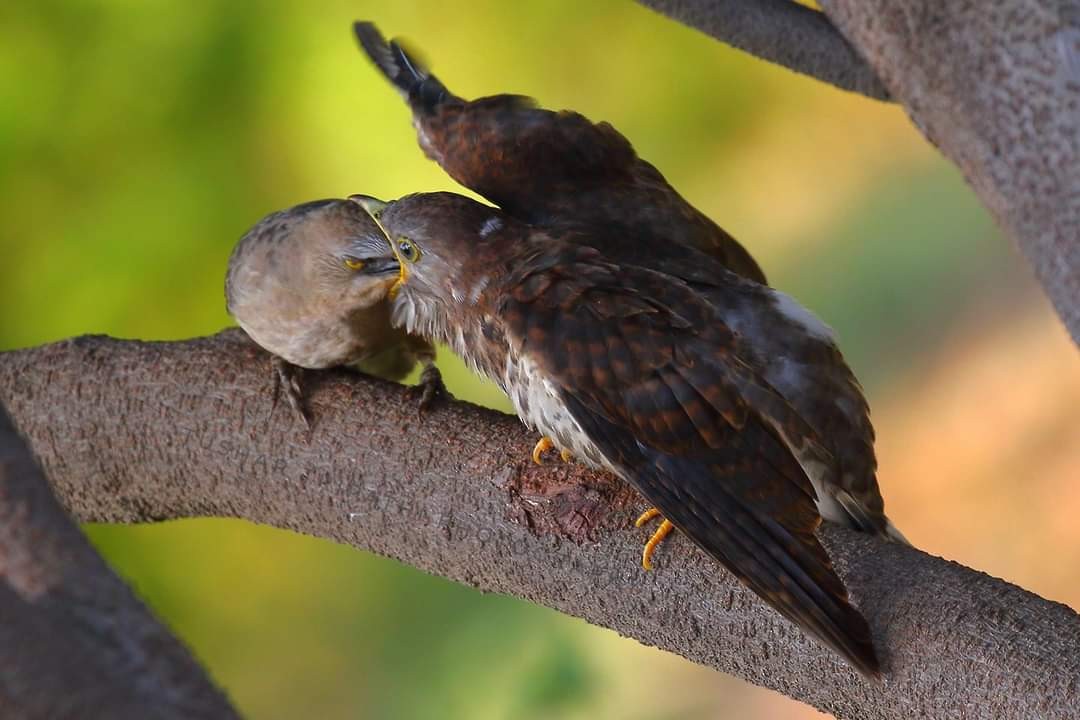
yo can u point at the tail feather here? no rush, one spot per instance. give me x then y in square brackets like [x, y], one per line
[403, 69]
[786, 567]
[862, 519]
[894, 534]
[750, 518]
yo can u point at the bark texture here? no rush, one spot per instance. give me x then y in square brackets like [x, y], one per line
[780, 31]
[994, 85]
[74, 640]
[136, 432]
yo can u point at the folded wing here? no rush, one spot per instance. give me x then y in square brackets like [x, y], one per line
[659, 385]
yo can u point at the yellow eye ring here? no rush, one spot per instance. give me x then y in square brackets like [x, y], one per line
[354, 263]
[408, 250]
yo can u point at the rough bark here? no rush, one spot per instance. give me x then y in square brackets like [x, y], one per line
[994, 85]
[780, 31]
[137, 432]
[74, 640]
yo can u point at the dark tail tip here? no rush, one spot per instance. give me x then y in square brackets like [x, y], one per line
[401, 68]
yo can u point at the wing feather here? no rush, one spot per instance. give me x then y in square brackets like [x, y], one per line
[661, 387]
[550, 168]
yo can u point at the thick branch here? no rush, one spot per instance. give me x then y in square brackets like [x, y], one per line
[780, 31]
[133, 432]
[74, 640]
[996, 86]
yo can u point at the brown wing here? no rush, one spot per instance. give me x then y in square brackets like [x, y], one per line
[552, 169]
[658, 385]
[810, 372]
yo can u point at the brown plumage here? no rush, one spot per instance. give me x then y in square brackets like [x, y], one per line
[562, 173]
[643, 373]
[556, 170]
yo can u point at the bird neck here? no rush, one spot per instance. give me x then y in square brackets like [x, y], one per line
[466, 327]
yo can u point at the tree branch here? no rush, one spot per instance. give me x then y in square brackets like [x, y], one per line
[74, 640]
[996, 86]
[136, 432]
[783, 32]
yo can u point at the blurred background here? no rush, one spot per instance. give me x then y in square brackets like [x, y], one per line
[139, 140]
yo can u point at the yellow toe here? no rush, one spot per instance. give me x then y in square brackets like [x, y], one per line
[646, 517]
[542, 446]
[657, 537]
[661, 532]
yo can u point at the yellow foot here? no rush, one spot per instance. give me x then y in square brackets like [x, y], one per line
[657, 537]
[542, 446]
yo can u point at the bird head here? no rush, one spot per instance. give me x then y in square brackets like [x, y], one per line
[346, 255]
[447, 246]
[326, 254]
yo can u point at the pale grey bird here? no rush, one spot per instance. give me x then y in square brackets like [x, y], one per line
[309, 284]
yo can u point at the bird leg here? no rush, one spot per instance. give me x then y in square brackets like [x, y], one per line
[286, 378]
[657, 537]
[543, 445]
[430, 388]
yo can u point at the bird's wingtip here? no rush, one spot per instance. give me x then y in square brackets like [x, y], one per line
[865, 660]
[368, 35]
[376, 47]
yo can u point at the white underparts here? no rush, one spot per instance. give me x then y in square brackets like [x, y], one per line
[540, 406]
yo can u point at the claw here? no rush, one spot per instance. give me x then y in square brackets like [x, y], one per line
[430, 388]
[657, 537]
[646, 516]
[542, 446]
[286, 378]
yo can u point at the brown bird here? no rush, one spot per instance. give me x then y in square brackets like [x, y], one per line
[556, 170]
[309, 284]
[577, 179]
[635, 371]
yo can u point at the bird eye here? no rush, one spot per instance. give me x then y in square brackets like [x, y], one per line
[354, 263]
[408, 251]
